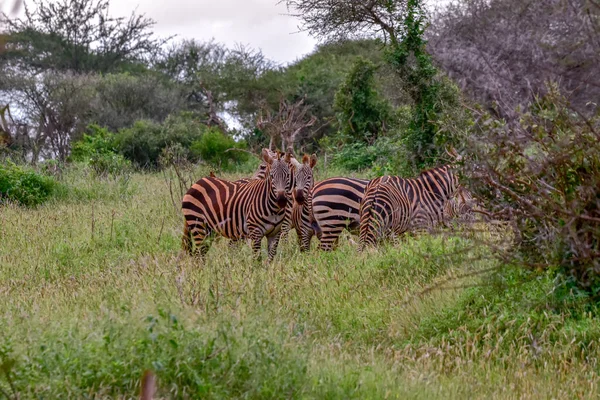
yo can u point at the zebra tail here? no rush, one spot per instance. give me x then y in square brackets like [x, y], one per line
[186, 239]
[317, 229]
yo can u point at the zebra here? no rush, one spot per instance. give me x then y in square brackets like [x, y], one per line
[240, 210]
[393, 205]
[335, 207]
[462, 206]
[301, 216]
[298, 211]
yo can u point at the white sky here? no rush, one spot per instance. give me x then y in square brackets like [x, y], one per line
[257, 23]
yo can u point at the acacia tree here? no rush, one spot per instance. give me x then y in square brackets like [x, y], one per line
[77, 36]
[216, 79]
[349, 19]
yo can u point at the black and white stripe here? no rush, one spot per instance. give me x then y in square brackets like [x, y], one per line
[240, 210]
[394, 205]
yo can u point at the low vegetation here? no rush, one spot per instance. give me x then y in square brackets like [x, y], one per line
[95, 290]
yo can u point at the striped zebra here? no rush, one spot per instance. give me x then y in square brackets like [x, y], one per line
[393, 205]
[462, 206]
[240, 210]
[301, 216]
[335, 207]
[298, 211]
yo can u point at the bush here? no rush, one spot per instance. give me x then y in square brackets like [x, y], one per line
[99, 150]
[213, 148]
[544, 175]
[145, 140]
[363, 114]
[23, 185]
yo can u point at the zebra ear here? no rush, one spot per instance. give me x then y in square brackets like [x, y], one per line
[313, 160]
[294, 163]
[288, 157]
[305, 159]
[266, 156]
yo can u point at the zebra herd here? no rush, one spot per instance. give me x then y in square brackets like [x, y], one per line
[282, 195]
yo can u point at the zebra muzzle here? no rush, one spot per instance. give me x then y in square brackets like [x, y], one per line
[299, 197]
[281, 199]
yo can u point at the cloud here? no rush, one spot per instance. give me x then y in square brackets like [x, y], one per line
[257, 23]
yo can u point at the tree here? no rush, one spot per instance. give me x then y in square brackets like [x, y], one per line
[122, 99]
[216, 79]
[362, 113]
[77, 36]
[286, 124]
[343, 19]
[56, 107]
[400, 24]
[503, 52]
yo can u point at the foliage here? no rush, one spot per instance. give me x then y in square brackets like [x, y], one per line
[122, 99]
[544, 175]
[410, 60]
[503, 52]
[99, 149]
[78, 36]
[363, 115]
[315, 78]
[144, 141]
[218, 149]
[24, 186]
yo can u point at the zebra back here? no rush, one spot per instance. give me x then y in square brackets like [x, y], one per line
[393, 205]
[335, 207]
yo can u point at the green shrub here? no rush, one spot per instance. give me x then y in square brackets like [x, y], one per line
[23, 185]
[363, 114]
[213, 147]
[98, 149]
[145, 140]
[544, 175]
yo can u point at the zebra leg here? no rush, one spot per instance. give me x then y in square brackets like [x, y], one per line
[255, 237]
[272, 242]
[234, 243]
[199, 232]
[186, 239]
[286, 225]
[329, 240]
[305, 235]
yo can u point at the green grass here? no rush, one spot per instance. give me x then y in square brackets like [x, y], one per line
[94, 290]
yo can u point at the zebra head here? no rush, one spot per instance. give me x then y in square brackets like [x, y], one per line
[278, 175]
[304, 178]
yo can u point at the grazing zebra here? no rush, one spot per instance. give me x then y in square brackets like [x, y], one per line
[393, 205]
[335, 207]
[462, 206]
[301, 217]
[241, 210]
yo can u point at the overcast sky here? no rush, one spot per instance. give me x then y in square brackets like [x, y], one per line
[257, 23]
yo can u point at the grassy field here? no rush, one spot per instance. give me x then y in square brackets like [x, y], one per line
[94, 290]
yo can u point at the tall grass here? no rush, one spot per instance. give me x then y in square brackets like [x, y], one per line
[94, 290]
